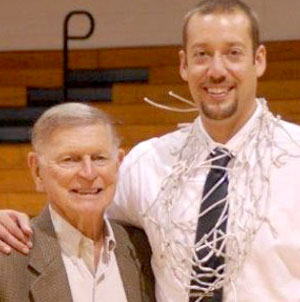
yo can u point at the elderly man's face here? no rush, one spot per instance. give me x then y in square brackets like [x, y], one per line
[77, 168]
[220, 67]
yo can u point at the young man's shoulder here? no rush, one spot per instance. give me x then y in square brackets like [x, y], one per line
[288, 131]
[159, 147]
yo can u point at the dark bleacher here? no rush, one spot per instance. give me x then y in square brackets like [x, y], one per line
[85, 86]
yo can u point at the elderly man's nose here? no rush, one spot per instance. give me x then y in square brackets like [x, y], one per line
[87, 169]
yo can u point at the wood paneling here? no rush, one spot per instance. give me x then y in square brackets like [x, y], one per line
[276, 90]
[16, 180]
[134, 93]
[165, 75]
[13, 96]
[289, 110]
[29, 203]
[144, 114]
[53, 59]
[14, 156]
[138, 57]
[17, 60]
[283, 50]
[282, 70]
[46, 78]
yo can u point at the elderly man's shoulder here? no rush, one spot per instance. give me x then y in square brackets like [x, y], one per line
[17, 261]
[133, 240]
[17, 265]
[14, 277]
[129, 232]
[13, 262]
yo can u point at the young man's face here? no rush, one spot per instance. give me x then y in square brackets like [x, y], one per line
[220, 67]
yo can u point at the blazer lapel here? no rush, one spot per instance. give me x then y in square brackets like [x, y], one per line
[128, 265]
[49, 281]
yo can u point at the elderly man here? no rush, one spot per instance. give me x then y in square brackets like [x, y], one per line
[219, 199]
[78, 255]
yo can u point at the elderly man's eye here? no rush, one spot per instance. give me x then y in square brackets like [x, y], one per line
[68, 161]
[100, 159]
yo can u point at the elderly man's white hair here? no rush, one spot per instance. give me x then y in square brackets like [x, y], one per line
[69, 115]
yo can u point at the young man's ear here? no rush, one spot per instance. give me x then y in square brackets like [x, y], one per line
[34, 165]
[183, 65]
[260, 60]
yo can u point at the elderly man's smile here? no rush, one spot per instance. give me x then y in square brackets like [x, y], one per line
[87, 192]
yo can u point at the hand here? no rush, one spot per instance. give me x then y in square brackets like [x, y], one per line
[15, 232]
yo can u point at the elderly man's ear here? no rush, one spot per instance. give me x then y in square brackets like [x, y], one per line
[34, 165]
[121, 155]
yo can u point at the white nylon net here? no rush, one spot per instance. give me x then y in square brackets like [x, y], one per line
[246, 182]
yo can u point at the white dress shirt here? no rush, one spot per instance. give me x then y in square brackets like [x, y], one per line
[271, 269]
[88, 284]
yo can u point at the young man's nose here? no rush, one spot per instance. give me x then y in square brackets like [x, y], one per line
[217, 69]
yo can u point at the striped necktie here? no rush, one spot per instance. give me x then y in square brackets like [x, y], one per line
[211, 227]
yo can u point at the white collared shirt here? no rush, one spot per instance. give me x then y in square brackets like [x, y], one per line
[86, 283]
[271, 270]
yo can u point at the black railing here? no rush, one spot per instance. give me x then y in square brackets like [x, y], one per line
[66, 40]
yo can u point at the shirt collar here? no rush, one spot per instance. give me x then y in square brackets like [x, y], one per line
[235, 142]
[74, 244]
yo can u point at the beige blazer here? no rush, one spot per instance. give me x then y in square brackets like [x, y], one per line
[41, 276]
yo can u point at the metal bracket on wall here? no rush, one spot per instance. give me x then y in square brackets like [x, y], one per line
[67, 38]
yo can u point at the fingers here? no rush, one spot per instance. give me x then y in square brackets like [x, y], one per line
[14, 232]
[10, 242]
[4, 248]
[22, 220]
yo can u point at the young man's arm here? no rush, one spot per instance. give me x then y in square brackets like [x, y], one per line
[15, 232]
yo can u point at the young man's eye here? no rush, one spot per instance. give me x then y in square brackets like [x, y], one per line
[235, 53]
[200, 56]
[201, 53]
